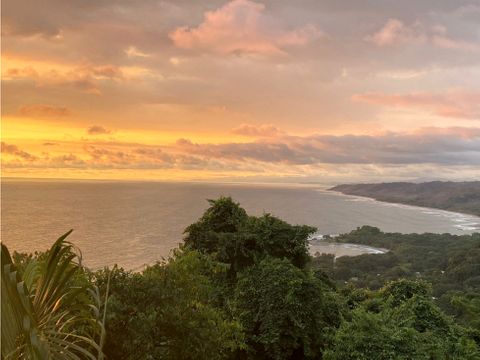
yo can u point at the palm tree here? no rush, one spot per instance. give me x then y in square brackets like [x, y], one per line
[49, 308]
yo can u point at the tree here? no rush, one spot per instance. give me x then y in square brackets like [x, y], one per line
[224, 216]
[286, 312]
[49, 310]
[169, 311]
[277, 238]
[467, 306]
[374, 337]
[399, 291]
[240, 240]
[403, 324]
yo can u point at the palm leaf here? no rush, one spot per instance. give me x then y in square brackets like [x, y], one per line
[46, 314]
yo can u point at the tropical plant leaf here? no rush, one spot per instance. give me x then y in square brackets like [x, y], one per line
[47, 313]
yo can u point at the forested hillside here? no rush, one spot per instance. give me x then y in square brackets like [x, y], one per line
[453, 196]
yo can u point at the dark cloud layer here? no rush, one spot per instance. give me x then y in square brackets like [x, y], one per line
[15, 151]
[426, 152]
[98, 130]
[41, 110]
[452, 148]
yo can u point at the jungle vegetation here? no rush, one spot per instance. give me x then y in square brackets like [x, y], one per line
[245, 287]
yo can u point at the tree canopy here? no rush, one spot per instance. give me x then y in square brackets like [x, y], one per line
[240, 240]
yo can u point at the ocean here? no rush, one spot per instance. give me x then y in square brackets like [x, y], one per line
[137, 223]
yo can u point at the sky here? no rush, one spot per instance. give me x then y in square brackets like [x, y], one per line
[241, 90]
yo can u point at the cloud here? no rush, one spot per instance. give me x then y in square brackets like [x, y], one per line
[395, 32]
[143, 157]
[61, 50]
[460, 132]
[107, 157]
[265, 152]
[15, 151]
[441, 40]
[132, 51]
[77, 78]
[452, 104]
[102, 72]
[257, 131]
[307, 85]
[113, 157]
[44, 111]
[241, 26]
[48, 19]
[98, 130]
[441, 150]
[61, 161]
[84, 77]
[456, 146]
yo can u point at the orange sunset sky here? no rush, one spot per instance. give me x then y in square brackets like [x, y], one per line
[328, 90]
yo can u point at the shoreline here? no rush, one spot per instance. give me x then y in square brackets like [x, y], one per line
[439, 211]
[321, 245]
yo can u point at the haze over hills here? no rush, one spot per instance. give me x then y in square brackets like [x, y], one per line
[453, 196]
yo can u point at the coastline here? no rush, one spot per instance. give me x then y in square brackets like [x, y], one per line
[458, 197]
[319, 245]
[432, 210]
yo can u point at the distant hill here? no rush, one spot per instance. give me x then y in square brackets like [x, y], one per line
[453, 196]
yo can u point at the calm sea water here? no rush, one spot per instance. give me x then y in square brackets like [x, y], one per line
[133, 223]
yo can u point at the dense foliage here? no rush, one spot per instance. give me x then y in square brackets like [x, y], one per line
[169, 311]
[449, 262]
[401, 322]
[245, 287]
[285, 312]
[226, 231]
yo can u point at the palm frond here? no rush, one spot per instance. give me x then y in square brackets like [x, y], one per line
[46, 313]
